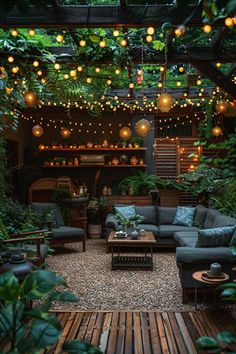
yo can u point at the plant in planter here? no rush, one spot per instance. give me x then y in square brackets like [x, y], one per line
[141, 183]
[34, 330]
[95, 215]
[129, 223]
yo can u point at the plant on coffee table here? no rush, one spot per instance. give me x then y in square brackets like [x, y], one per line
[129, 222]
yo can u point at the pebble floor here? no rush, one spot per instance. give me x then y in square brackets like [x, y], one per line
[89, 276]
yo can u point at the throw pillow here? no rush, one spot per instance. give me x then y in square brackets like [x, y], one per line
[184, 216]
[217, 237]
[126, 212]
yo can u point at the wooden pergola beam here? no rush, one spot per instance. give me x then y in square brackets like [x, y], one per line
[216, 76]
[219, 37]
[103, 16]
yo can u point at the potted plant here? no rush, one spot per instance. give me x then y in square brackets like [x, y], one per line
[141, 183]
[95, 215]
[129, 223]
[169, 191]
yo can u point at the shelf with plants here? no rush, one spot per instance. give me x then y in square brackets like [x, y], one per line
[97, 166]
[92, 149]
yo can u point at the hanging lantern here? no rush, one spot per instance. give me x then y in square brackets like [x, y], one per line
[37, 131]
[216, 131]
[30, 98]
[125, 133]
[65, 133]
[165, 102]
[142, 127]
[231, 110]
[221, 106]
[139, 76]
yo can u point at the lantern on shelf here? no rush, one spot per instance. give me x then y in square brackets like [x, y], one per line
[139, 76]
[37, 130]
[165, 102]
[142, 127]
[125, 133]
[216, 131]
[30, 98]
[65, 133]
[221, 106]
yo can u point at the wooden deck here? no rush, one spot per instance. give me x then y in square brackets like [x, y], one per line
[143, 332]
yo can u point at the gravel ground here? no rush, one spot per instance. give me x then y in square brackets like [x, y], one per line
[89, 276]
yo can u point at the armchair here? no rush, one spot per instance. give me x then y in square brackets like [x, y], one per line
[62, 234]
[35, 245]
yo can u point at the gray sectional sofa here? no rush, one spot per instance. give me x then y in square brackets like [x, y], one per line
[189, 258]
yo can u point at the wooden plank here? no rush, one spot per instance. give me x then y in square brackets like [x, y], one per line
[185, 334]
[192, 329]
[66, 329]
[121, 334]
[75, 326]
[112, 341]
[145, 333]
[161, 330]
[91, 325]
[154, 336]
[138, 346]
[169, 334]
[177, 334]
[97, 329]
[129, 334]
[84, 325]
[105, 332]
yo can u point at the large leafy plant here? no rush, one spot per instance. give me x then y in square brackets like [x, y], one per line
[33, 330]
[141, 183]
[224, 197]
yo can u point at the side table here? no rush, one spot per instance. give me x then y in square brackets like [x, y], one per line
[213, 282]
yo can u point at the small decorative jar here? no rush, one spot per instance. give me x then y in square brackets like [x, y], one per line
[115, 161]
[124, 159]
[19, 266]
[89, 145]
[134, 160]
[130, 146]
[134, 235]
[215, 269]
[136, 145]
[130, 191]
[76, 162]
[70, 163]
[141, 162]
[142, 232]
[64, 163]
[105, 144]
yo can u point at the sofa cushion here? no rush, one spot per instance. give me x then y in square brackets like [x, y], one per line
[165, 215]
[210, 218]
[67, 231]
[189, 241]
[184, 234]
[200, 216]
[39, 207]
[233, 240]
[169, 230]
[148, 212]
[217, 237]
[148, 227]
[223, 220]
[203, 255]
[184, 216]
[127, 211]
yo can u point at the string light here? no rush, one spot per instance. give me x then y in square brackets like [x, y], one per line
[57, 66]
[229, 22]
[14, 33]
[82, 43]
[149, 39]
[123, 42]
[102, 43]
[180, 30]
[31, 32]
[115, 33]
[80, 68]
[10, 59]
[35, 63]
[60, 38]
[150, 30]
[207, 28]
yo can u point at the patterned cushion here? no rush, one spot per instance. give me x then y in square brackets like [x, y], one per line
[217, 237]
[184, 216]
[126, 212]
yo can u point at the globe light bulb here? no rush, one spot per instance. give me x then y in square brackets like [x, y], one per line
[88, 80]
[149, 39]
[60, 38]
[14, 33]
[229, 22]
[10, 59]
[57, 66]
[82, 42]
[108, 82]
[123, 42]
[150, 30]
[102, 44]
[32, 32]
[207, 28]
[180, 30]
[115, 33]
[35, 63]
[73, 73]
[80, 68]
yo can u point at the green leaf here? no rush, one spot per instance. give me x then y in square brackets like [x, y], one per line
[226, 337]
[77, 346]
[44, 316]
[9, 286]
[94, 38]
[207, 343]
[44, 334]
[63, 296]
[40, 283]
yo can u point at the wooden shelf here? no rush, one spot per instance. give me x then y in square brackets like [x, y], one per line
[97, 166]
[95, 149]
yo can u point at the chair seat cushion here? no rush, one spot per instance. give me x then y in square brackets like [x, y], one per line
[169, 230]
[67, 232]
[148, 227]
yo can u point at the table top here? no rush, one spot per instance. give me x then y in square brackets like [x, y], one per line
[213, 281]
[146, 240]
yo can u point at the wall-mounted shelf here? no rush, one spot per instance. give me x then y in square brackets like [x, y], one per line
[97, 166]
[94, 149]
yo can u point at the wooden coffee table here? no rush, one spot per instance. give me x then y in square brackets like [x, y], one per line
[120, 260]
